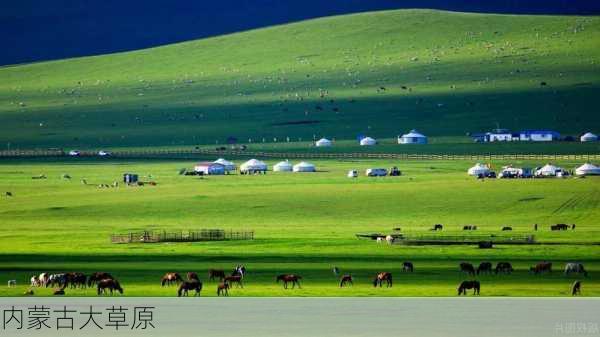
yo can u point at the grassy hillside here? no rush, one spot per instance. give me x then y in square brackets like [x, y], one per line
[379, 73]
[58, 225]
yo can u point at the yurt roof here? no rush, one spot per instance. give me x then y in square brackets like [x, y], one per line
[414, 134]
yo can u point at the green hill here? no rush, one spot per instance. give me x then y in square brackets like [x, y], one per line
[379, 73]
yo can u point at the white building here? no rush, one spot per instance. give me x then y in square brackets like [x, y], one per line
[253, 166]
[304, 167]
[208, 168]
[283, 166]
[413, 137]
[589, 137]
[539, 135]
[587, 169]
[323, 142]
[478, 169]
[368, 141]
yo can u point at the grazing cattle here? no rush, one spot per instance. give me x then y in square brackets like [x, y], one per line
[475, 285]
[389, 239]
[467, 268]
[97, 277]
[237, 279]
[576, 288]
[287, 278]
[576, 268]
[507, 228]
[438, 227]
[57, 280]
[170, 278]
[559, 227]
[192, 276]
[12, 283]
[541, 267]
[504, 267]
[76, 280]
[185, 286]
[239, 270]
[223, 289]
[383, 276]
[484, 267]
[346, 279]
[110, 284]
[212, 273]
[408, 266]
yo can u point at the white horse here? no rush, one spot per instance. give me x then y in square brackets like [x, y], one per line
[12, 283]
[389, 239]
[379, 239]
[43, 279]
[35, 281]
[575, 267]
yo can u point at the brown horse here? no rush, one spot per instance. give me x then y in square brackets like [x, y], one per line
[237, 279]
[192, 276]
[462, 289]
[76, 280]
[576, 288]
[170, 278]
[287, 278]
[346, 279]
[109, 284]
[223, 289]
[484, 267]
[504, 267]
[467, 268]
[185, 286]
[97, 277]
[383, 276]
[212, 273]
[541, 267]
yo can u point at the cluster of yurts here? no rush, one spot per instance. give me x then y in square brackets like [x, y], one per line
[413, 137]
[547, 170]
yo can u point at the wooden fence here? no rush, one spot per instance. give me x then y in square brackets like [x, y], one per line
[194, 154]
[190, 236]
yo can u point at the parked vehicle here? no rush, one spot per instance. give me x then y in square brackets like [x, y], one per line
[376, 172]
[74, 153]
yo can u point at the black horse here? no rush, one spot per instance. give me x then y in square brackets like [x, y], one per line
[462, 289]
[185, 286]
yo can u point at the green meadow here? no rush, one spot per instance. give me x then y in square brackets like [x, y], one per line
[379, 73]
[304, 223]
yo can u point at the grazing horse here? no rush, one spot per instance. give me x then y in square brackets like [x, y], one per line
[239, 270]
[192, 276]
[484, 267]
[185, 286]
[43, 279]
[541, 267]
[212, 273]
[76, 279]
[346, 279]
[57, 280]
[462, 289]
[287, 278]
[12, 283]
[504, 267]
[237, 279]
[223, 289]
[574, 267]
[437, 227]
[34, 281]
[383, 276]
[559, 227]
[109, 284]
[408, 266]
[389, 239]
[469, 228]
[97, 277]
[170, 278]
[576, 288]
[467, 268]
[506, 228]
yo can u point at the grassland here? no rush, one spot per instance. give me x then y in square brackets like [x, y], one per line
[379, 73]
[304, 223]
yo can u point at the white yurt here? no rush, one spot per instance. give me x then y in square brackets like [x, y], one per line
[588, 169]
[413, 137]
[283, 166]
[589, 137]
[478, 169]
[548, 170]
[368, 141]
[304, 167]
[229, 166]
[253, 166]
[323, 142]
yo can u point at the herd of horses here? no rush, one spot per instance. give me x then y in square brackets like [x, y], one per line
[106, 284]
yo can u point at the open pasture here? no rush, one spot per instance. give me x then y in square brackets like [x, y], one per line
[304, 223]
